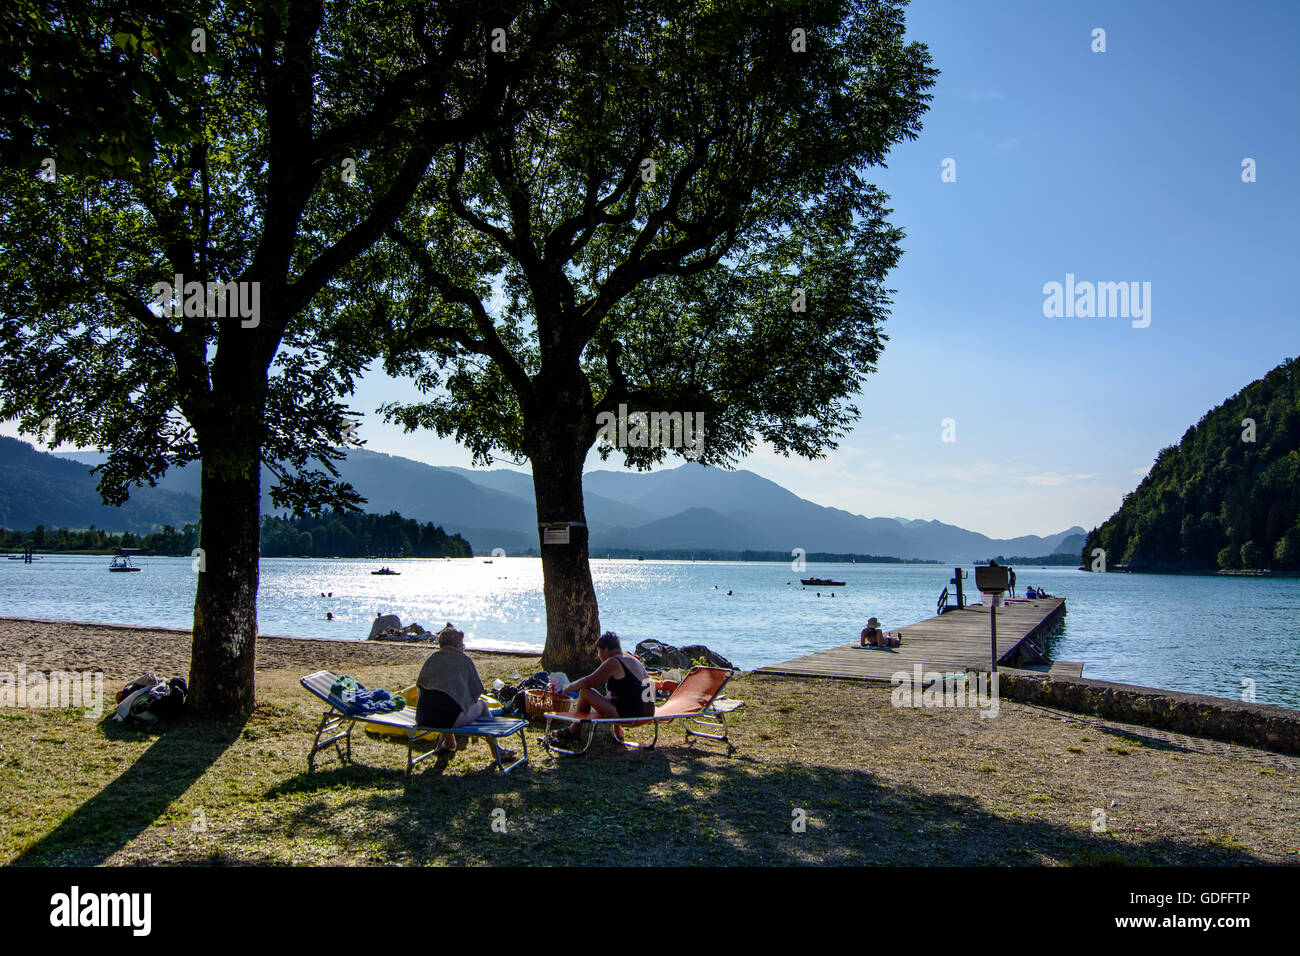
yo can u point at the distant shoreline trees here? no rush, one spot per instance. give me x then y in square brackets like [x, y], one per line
[94, 541]
[355, 535]
[722, 554]
[351, 535]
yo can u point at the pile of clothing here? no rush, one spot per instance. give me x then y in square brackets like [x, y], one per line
[148, 699]
[512, 695]
[362, 701]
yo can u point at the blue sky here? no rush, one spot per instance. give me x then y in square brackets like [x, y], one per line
[1115, 166]
[1122, 166]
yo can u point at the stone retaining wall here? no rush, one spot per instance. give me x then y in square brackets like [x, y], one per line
[1198, 715]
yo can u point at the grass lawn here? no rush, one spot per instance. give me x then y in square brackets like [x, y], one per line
[870, 784]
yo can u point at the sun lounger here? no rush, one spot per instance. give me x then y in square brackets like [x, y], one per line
[340, 713]
[695, 701]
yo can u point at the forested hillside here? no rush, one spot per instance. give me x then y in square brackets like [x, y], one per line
[1225, 497]
[37, 488]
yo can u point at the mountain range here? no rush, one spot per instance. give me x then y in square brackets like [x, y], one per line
[689, 507]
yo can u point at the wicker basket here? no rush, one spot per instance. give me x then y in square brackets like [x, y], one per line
[539, 702]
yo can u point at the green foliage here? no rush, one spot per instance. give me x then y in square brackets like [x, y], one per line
[1219, 499]
[358, 535]
[96, 85]
[349, 535]
[166, 541]
[262, 162]
[558, 280]
[1044, 560]
[1286, 554]
[222, 162]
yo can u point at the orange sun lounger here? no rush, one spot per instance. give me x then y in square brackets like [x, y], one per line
[694, 701]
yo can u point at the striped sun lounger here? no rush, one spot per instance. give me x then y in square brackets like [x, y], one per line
[341, 712]
[695, 701]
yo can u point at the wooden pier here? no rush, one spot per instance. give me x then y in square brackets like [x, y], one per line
[953, 641]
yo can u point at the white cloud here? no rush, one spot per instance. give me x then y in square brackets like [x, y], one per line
[1052, 479]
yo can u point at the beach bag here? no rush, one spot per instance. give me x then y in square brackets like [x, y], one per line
[168, 700]
[513, 697]
[145, 680]
[146, 700]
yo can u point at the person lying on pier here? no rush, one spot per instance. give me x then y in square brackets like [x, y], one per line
[449, 690]
[631, 690]
[874, 636]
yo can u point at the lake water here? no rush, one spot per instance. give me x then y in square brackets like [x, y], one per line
[1194, 633]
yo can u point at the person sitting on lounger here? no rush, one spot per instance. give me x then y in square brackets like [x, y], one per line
[630, 689]
[874, 636]
[449, 689]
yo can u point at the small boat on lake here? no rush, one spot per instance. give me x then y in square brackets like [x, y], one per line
[122, 563]
[821, 582]
[385, 570]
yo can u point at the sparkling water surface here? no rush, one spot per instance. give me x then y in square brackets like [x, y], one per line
[1205, 634]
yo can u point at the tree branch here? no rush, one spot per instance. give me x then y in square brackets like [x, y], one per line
[490, 343]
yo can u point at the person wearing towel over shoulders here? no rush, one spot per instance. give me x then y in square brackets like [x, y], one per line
[449, 690]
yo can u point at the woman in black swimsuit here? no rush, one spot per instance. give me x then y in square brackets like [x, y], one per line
[630, 689]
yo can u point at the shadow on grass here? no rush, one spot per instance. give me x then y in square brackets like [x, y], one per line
[362, 773]
[675, 806]
[1153, 738]
[179, 755]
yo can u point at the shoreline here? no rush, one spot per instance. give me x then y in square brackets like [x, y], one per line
[289, 640]
[123, 652]
[107, 625]
[1204, 573]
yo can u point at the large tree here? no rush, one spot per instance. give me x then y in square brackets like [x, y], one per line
[255, 148]
[678, 222]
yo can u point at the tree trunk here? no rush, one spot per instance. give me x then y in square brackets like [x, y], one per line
[225, 604]
[572, 618]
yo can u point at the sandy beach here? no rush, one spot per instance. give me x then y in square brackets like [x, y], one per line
[123, 652]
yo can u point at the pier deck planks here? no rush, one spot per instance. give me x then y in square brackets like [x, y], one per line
[949, 642]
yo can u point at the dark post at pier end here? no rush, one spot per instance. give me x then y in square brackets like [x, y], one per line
[993, 581]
